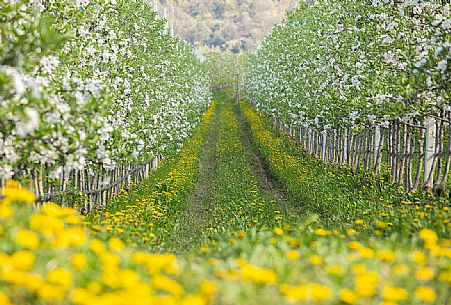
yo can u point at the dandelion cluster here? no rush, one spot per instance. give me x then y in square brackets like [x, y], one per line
[251, 252]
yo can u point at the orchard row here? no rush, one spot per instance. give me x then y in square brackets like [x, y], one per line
[92, 85]
[363, 83]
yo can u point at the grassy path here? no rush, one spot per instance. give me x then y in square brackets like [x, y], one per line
[195, 219]
[233, 190]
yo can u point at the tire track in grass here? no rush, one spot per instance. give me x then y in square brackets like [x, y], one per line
[267, 182]
[196, 216]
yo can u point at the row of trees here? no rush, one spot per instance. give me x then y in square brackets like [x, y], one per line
[363, 82]
[92, 90]
[226, 69]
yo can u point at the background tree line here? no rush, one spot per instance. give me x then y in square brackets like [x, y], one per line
[223, 24]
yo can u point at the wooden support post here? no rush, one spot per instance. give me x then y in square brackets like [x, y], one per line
[300, 135]
[155, 163]
[324, 145]
[429, 154]
[129, 178]
[345, 146]
[377, 145]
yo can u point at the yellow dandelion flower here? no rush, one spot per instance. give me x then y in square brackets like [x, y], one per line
[208, 288]
[116, 244]
[94, 287]
[381, 224]
[27, 239]
[425, 274]
[48, 292]
[335, 270]
[354, 245]
[425, 294]
[348, 296]
[81, 296]
[5, 210]
[366, 252]
[52, 209]
[110, 261]
[360, 222]
[23, 260]
[13, 193]
[78, 261]
[316, 260]
[394, 294]
[400, 269]
[166, 284]
[366, 283]
[258, 275]
[418, 257]
[49, 226]
[386, 255]
[320, 293]
[96, 228]
[240, 234]
[194, 300]
[321, 232]
[71, 237]
[445, 277]
[128, 278]
[33, 281]
[429, 236]
[4, 299]
[278, 231]
[350, 232]
[60, 277]
[293, 255]
[308, 292]
[359, 268]
[97, 246]
[295, 293]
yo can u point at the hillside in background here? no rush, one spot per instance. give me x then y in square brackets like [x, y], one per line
[224, 24]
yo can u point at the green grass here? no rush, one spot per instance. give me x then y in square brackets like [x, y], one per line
[235, 241]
